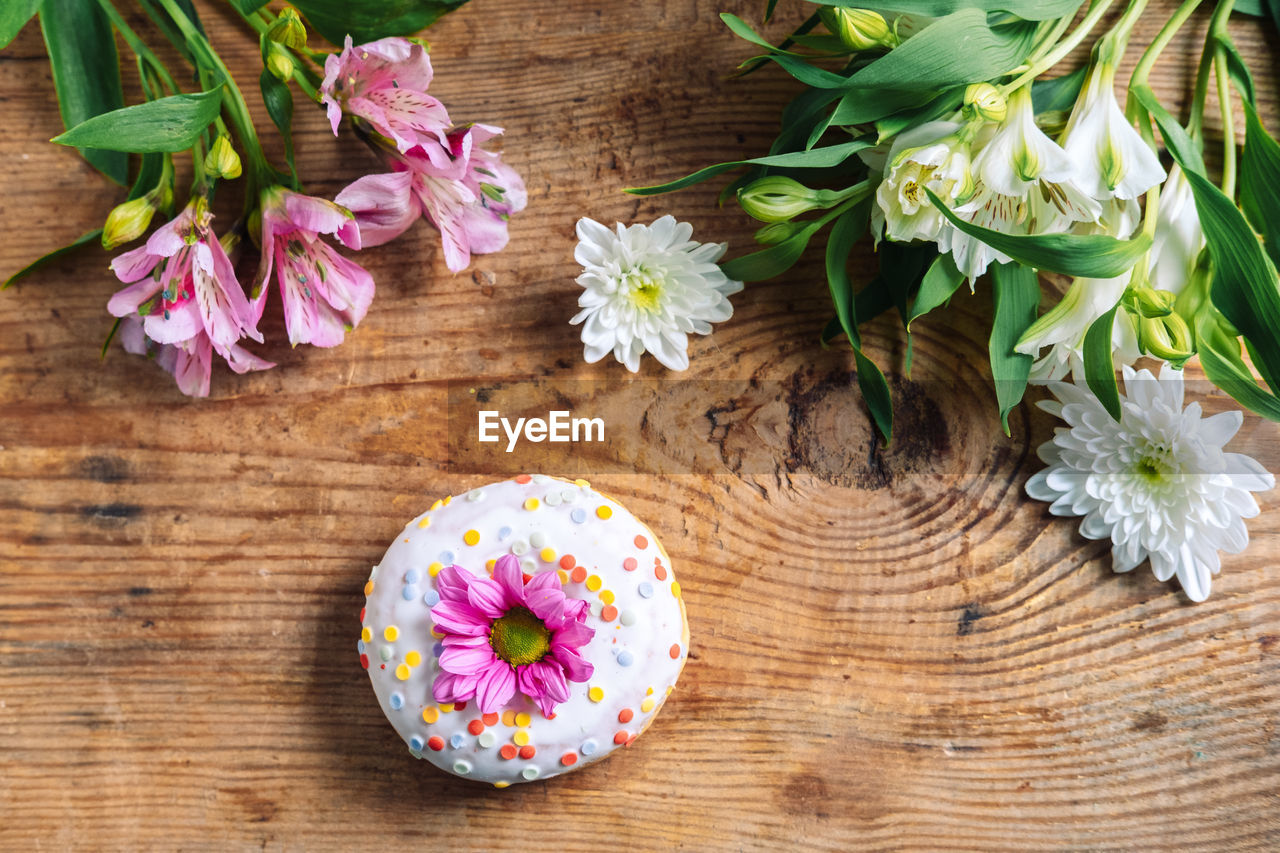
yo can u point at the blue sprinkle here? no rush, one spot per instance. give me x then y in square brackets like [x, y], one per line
[503, 533]
[579, 515]
[588, 747]
[360, 646]
[416, 743]
[409, 593]
[431, 598]
[437, 649]
[645, 589]
[411, 576]
[456, 740]
[625, 658]
[446, 557]
[397, 701]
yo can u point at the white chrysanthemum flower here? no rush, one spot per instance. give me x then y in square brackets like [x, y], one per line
[646, 287]
[1157, 482]
[1113, 160]
[930, 156]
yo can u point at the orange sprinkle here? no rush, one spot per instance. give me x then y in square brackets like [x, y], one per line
[528, 752]
[630, 564]
[523, 478]
[625, 715]
[642, 543]
[368, 587]
[660, 572]
[567, 562]
[508, 718]
[675, 650]
[620, 738]
[490, 719]
[569, 759]
[508, 751]
[578, 575]
[475, 727]
[608, 613]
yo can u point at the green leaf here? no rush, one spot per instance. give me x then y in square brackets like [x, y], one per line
[743, 30]
[1237, 70]
[370, 20]
[278, 99]
[944, 104]
[902, 267]
[819, 158]
[149, 173]
[936, 288]
[1252, 8]
[1244, 279]
[248, 7]
[1028, 10]
[86, 72]
[166, 124]
[83, 239]
[1099, 369]
[1176, 138]
[772, 261]
[1260, 182]
[1220, 357]
[1273, 6]
[844, 234]
[1015, 289]
[875, 393]
[1085, 255]
[14, 15]
[860, 106]
[1058, 94]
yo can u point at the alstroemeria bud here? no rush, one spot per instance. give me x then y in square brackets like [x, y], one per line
[222, 160]
[777, 199]
[858, 29]
[1150, 303]
[986, 101]
[1166, 337]
[778, 232]
[128, 221]
[288, 30]
[278, 62]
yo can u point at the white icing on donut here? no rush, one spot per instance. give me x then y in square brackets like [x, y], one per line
[640, 645]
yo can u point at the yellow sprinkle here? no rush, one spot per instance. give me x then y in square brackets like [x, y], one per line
[402, 672]
[491, 565]
[649, 692]
[594, 583]
[437, 634]
[471, 537]
[520, 738]
[446, 707]
[447, 499]
[435, 506]
[604, 512]
[607, 596]
[413, 658]
[434, 569]
[366, 633]
[508, 718]
[522, 720]
[564, 576]
[390, 633]
[531, 504]
[670, 687]
[548, 554]
[368, 587]
[675, 589]
[582, 483]
[595, 694]
[647, 705]
[501, 784]
[430, 715]
[425, 522]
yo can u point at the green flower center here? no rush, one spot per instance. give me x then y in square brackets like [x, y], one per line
[519, 637]
[646, 291]
[1150, 470]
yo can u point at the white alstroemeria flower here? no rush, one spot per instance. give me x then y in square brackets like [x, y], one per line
[1179, 236]
[1157, 483]
[1064, 326]
[930, 156]
[1113, 160]
[646, 287]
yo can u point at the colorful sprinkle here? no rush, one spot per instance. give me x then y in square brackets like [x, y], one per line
[364, 661]
[523, 478]
[507, 752]
[430, 715]
[548, 555]
[360, 646]
[501, 784]
[487, 739]
[436, 743]
[490, 719]
[527, 752]
[607, 596]
[569, 496]
[583, 483]
[519, 547]
[402, 672]
[579, 515]
[415, 743]
[630, 564]
[446, 707]
[434, 569]
[475, 727]
[471, 537]
[413, 658]
[504, 532]
[627, 617]
[531, 504]
[608, 613]
[409, 593]
[621, 737]
[541, 478]
[412, 576]
[588, 747]
[625, 715]
[455, 740]
[645, 589]
[368, 587]
[579, 574]
[675, 651]
[604, 513]
[523, 719]
[567, 562]
[563, 575]
[446, 556]
[625, 658]
[552, 499]
[490, 565]
[462, 768]
[386, 652]
[435, 506]
[475, 495]
[528, 566]
[647, 705]
[538, 539]
[641, 542]
[530, 773]
[424, 522]
[508, 718]
[437, 649]
[397, 701]
[390, 633]
[521, 737]
[595, 608]
[431, 598]
[569, 759]
[593, 583]
[366, 633]
[675, 588]
[596, 694]
[660, 572]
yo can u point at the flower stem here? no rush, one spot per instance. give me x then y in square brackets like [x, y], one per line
[1217, 28]
[1195, 125]
[138, 46]
[1148, 60]
[1095, 13]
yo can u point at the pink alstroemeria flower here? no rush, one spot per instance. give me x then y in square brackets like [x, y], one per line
[504, 634]
[324, 294]
[183, 295]
[465, 191]
[385, 83]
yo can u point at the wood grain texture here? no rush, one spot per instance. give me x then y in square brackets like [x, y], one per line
[890, 648]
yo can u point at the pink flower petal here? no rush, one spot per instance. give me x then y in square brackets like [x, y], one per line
[547, 605]
[456, 617]
[134, 264]
[314, 214]
[574, 609]
[575, 668]
[452, 583]
[241, 360]
[507, 573]
[572, 635]
[182, 324]
[125, 302]
[190, 364]
[488, 597]
[466, 658]
[496, 686]
[383, 206]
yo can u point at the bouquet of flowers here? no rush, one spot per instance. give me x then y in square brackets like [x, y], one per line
[184, 301]
[931, 126]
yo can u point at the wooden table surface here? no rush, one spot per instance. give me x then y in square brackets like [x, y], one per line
[890, 649]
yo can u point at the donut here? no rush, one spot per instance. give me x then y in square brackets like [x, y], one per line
[522, 630]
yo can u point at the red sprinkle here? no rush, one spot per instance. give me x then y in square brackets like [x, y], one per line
[569, 759]
[364, 661]
[436, 743]
[625, 715]
[508, 752]
[675, 651]
[567, 562]
[362, 609]
[528, 751]
[459, 706]
[475, 727]
[642, 543]
[490, 719]
[579, 575]
[630, 564]
[620, 738]
[608, 613]
[528, 577]
[523, 478]
[660, 572]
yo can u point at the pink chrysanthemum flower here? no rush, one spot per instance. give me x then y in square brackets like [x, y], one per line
[385, 83]
[324, 294]
[504, 634]
[465, 191]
